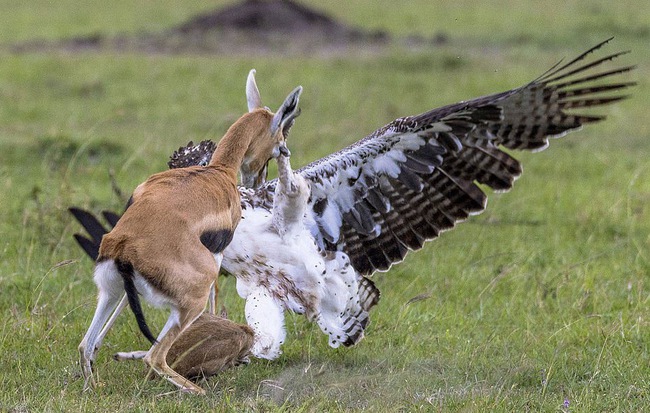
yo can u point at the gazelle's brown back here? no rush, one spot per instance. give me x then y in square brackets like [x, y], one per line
[169, 213]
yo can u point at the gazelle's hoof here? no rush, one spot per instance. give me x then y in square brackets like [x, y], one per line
[89, 384]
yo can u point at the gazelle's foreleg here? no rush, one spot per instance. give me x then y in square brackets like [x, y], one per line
[212, 298]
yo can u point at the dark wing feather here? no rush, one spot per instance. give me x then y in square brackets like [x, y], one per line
[93, 227]
[111, 217]
[90, 223]
[486, 165]
[417, 176]
[90, 246]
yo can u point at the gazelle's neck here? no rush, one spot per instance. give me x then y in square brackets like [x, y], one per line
[232, 148]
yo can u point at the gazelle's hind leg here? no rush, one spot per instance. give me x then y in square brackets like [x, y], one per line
[110, 289]
[131, 355]
[120, 306]
[156, 358]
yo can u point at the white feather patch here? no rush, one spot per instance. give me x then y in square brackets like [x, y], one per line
[386, 165]
[331, 221]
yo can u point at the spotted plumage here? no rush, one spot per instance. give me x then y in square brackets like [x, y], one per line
[371, 203]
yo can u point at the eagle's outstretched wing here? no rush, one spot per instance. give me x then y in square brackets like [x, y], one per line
[417, 176]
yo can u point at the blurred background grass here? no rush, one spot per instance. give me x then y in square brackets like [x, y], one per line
[539, 302]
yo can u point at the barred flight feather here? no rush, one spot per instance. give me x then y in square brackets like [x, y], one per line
[462, 140]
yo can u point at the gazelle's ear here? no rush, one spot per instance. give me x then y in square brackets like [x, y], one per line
[252, 92]
[284, 117]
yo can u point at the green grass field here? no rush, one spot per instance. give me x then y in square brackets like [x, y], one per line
[540, 302]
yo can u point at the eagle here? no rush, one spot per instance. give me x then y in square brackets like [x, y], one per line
[310, 240]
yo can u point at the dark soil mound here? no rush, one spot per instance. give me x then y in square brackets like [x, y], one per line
[269, 25]
[253, 26]
[268, 16]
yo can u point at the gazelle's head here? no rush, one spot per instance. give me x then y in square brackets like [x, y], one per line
[255, 165]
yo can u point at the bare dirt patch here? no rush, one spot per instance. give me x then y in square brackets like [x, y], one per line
[252, 26]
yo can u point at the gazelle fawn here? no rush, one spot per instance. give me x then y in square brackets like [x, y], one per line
[210, 345]
[168, 245]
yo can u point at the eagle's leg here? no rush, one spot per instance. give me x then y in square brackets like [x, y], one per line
[266, 317]
[290, 200]
[286, 176]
